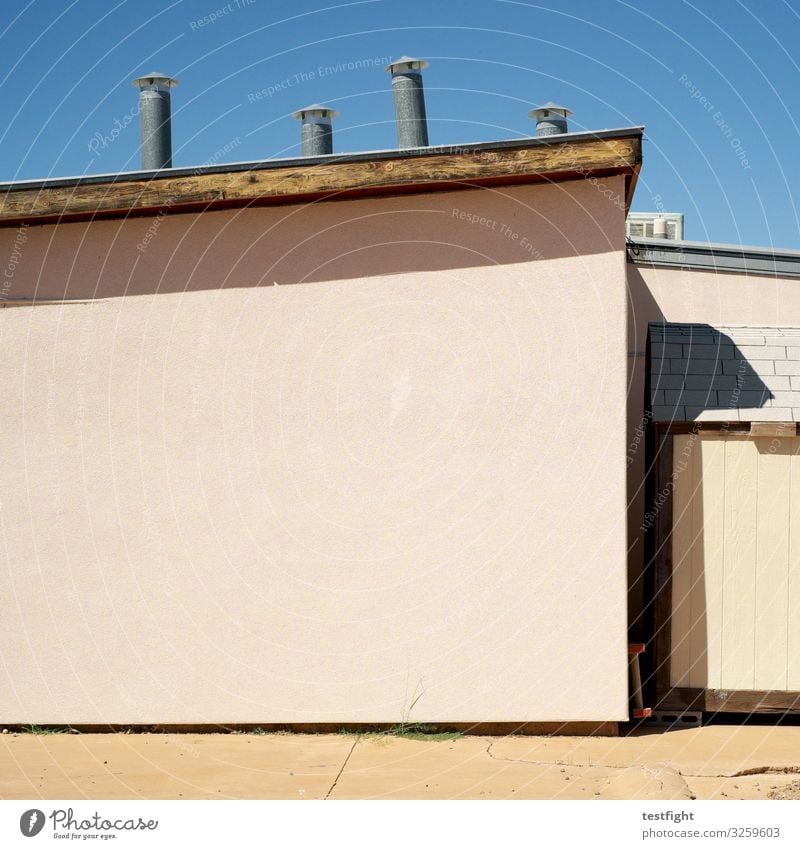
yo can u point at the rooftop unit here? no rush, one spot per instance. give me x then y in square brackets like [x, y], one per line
[655, 225]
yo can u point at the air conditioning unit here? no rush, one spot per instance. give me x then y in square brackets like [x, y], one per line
[655, 225]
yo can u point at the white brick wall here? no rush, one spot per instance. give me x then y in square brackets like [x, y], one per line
[704, 373]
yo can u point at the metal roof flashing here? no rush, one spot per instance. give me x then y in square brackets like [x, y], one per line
[713, 256]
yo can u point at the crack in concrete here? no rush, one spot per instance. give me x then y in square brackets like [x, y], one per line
[756, 770]
[339, 774]
[761, 770]
[554, 763]
[653, 774]
[648, 769]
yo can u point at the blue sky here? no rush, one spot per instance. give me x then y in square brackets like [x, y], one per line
[713, 81]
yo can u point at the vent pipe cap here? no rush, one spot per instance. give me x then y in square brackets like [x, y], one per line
[549, 110]
[315, 112]
[155, 80]
[551, 119]
[406, 64]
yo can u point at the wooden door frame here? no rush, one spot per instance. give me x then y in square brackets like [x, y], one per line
[690, 698]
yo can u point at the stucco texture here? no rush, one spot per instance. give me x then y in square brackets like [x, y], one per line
[349, 462]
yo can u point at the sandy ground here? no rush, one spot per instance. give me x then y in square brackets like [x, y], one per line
[714, 762]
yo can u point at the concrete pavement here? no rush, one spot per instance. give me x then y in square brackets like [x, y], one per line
[715, 762]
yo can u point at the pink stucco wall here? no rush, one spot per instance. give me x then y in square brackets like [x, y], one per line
[356, 461]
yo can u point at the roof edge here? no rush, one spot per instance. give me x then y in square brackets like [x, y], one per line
[296, 161]
[715, 256]
[569, 156]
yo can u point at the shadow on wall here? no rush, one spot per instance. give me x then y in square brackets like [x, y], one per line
[316, 242]
[699, 372]
[642, 310]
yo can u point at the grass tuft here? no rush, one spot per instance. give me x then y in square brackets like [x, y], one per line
[44, 729]
[423, 731]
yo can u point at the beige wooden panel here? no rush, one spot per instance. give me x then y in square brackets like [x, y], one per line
[708, 565]
[738, 592]
[697, 609]
[793, 590]
[772, 558]
[682, 545]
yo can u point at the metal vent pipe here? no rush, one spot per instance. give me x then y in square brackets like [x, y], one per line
[316, 131]
[155, 118]
[551, 119]
[409, 101]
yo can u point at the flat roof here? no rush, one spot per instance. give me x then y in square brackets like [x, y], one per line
[173, 190]
[713, 256]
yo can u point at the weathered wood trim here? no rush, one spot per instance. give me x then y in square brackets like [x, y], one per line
[271, 183]
[782, 430]
[684, 428]
[723, 428]
[731, 701]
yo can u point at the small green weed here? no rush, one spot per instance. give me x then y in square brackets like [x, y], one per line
[423, 731]
[44, 729]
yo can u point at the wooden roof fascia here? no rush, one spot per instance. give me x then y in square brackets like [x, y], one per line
[325, 178]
